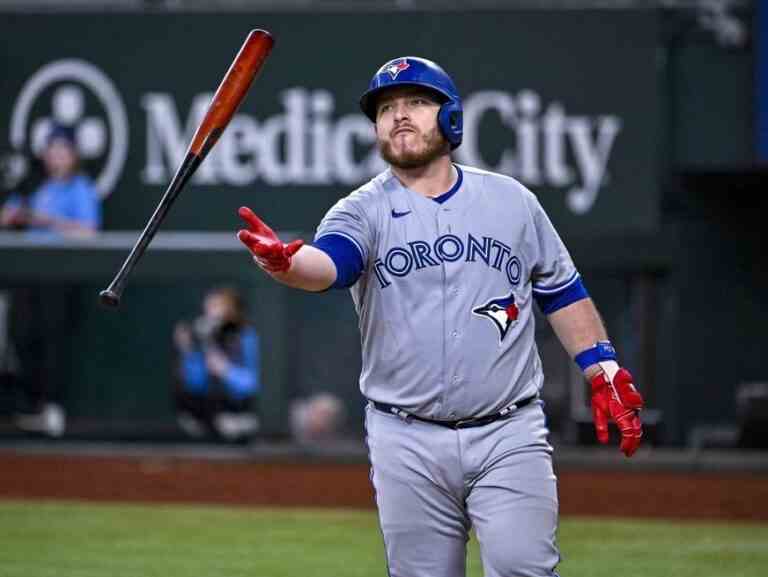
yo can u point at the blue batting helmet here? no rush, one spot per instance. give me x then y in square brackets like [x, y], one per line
[414, 71]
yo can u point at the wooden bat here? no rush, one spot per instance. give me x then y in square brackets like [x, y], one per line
[229, 94]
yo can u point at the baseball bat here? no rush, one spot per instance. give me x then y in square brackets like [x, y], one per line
[227, 98]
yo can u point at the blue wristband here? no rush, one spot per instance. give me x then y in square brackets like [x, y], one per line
[602, 351]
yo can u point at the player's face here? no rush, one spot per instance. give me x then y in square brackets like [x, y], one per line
[406, 128]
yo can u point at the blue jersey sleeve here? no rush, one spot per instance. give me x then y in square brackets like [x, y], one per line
[351, 218]
[552, 300]
[552, 267]
[345, 254]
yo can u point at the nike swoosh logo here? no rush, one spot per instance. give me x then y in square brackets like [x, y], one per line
[396, 214]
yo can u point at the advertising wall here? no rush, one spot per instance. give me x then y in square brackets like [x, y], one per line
[564, 101]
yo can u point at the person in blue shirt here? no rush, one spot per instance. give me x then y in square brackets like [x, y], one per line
[217, 369]
[66, 203]
[42, 319]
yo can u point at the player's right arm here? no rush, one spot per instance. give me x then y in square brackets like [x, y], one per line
[293, 264]
[336, 259]
[311, 269]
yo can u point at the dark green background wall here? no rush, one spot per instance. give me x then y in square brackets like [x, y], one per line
[715, 307]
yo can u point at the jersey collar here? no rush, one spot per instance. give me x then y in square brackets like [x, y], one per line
[457, 185]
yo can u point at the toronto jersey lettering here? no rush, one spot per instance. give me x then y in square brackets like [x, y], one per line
[453, 281]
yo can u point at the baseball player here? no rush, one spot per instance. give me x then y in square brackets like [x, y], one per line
[444, 263]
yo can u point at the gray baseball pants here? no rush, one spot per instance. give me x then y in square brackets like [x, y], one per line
[433, 484]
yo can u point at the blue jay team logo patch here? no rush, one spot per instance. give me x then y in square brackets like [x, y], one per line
[502, 312]
[397, 67]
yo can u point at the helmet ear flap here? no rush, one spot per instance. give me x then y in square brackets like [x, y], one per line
[450, 119]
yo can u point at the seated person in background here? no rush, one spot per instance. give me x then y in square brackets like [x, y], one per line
[43, 318]
[217, 369]
[319, 417]
[67, 201]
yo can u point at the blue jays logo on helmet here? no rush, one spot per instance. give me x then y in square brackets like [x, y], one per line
[414, 71]
[397, 67]
[502, 312]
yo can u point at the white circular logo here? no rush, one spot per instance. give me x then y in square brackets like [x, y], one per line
[76, 93]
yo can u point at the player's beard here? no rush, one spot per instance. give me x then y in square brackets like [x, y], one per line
[435, 146]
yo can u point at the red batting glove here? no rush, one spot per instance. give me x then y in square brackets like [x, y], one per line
[621, 402]
[268, 250]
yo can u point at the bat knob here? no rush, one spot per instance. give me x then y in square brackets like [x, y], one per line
[109, 298]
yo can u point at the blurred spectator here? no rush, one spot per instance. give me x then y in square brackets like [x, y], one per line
[217, 369]
[66, 202]
[42, 319]
[319, 417]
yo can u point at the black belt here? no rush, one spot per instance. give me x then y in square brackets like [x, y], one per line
[461, 423]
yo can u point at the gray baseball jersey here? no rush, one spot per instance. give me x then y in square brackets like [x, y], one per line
[445, 296]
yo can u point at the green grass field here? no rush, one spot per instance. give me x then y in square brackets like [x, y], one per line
[53, 539]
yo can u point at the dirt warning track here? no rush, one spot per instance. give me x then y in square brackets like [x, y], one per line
[728, 495]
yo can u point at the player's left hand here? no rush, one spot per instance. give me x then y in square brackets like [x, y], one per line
[618, 400]
[268, 250]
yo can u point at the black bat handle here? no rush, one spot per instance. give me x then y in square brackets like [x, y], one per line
[110, 297]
